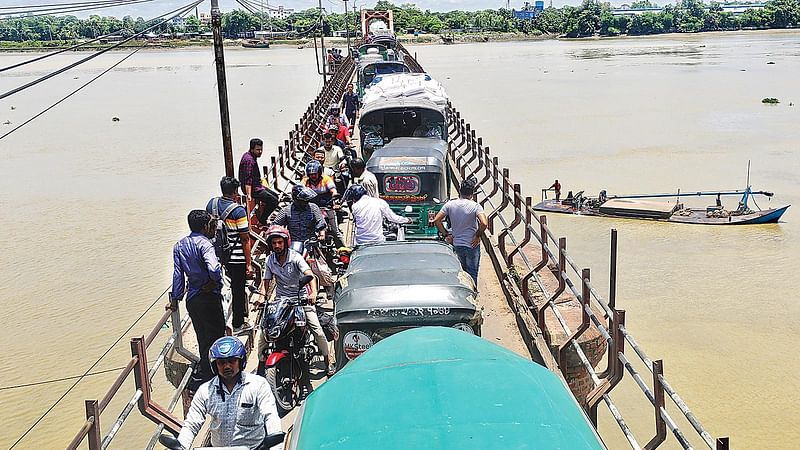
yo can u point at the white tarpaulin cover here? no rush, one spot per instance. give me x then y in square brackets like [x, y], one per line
[411, 85]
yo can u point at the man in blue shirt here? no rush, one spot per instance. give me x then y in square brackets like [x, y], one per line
[196, 261]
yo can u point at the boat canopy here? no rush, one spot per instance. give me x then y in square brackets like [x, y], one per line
[437, 387]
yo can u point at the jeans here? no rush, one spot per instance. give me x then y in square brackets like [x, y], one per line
[333, 227]
[470, 259]
[208, 320]
[237, 273]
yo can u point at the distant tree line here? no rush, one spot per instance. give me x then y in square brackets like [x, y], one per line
[591, 18]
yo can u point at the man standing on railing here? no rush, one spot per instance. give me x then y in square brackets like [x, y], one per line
[196, 261]
[250, 177]
[238, 265]
[467, 223]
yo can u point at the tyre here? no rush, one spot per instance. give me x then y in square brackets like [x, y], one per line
[285, 385]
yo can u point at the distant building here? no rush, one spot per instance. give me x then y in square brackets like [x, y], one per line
[178, 21]
[205, 19]
[281, 13]
[529, 11]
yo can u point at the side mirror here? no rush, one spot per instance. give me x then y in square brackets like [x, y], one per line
[170, 442]
[305, 280]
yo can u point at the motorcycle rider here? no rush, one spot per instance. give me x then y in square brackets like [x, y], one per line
[319, 155]
[334, 155]
[368, 215]
[287, 267]
[303, 218]
[364, 177]
[241, 405]
[325, 188]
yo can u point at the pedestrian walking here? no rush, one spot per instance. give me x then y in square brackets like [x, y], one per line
[197, 274]
[467, 224]
[350, 104]
[238, 265]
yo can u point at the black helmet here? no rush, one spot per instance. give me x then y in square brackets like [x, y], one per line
[357, 164]
[314, 167]
[354, 193]
[302, 193]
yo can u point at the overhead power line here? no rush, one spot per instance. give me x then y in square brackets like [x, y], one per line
[171, 14]
[57, 5]
[57, 380]
[71, 9]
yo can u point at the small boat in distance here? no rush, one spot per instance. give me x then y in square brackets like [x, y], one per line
[638, 206]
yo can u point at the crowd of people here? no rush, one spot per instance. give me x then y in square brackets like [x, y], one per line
[220, 237]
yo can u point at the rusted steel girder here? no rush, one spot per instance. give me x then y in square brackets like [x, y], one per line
[562, 283]
[501, 238]
[504, 199]
[147, 406]
[584, 301]
[658, 404]
[616, 346]
[527, 237]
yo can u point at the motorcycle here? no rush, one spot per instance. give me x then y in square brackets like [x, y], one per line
[269, 441]
[290, 348]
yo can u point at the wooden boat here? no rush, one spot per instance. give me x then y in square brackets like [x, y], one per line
[255, 43]
[636, 207]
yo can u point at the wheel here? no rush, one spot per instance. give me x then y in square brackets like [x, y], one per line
[285, 387]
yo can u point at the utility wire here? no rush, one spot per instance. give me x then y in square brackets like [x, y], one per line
[72, 93]
[56, 380]
[59, 5]
[85, 374]
[53, 11]
[175, 13]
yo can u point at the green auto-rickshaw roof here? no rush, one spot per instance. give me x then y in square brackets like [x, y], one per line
[440, 388]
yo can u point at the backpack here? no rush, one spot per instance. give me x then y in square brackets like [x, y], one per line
[223, 246]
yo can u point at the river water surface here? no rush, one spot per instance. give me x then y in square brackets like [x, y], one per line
[92, 207]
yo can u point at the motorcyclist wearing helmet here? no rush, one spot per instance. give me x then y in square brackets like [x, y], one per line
[319, 155]
[241, 404]
[325, 188]
[303, 218]
[333, 112]
[368, 215]
[286, 267]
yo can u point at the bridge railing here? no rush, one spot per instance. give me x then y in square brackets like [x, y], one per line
[513, 225]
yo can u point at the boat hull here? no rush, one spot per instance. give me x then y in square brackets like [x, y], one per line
[692, 216]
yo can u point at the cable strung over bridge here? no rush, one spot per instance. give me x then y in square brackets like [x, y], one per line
[26, 11]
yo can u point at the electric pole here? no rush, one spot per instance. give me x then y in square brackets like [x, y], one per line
[222, 87]
[322, 44]
[347, 26]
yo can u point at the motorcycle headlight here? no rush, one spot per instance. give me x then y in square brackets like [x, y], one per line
[355, 343]
[464, 327]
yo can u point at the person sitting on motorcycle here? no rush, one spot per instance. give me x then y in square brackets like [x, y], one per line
[287, 267]
[325, 188]
[241, 405]
[319, 155]
[340, 132]
[333, 112]
[369, 214]
[334, 155]
[303, 219]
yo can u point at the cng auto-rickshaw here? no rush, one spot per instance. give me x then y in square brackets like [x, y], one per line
[393, 286]
[414, 180]
[388, 118]
[438, 388]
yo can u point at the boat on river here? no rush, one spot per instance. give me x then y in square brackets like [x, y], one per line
[643, 206]
[255, 43]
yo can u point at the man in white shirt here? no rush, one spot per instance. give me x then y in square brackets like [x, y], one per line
[364, 177]
[334, 155]
[241, 405]
[368, 215]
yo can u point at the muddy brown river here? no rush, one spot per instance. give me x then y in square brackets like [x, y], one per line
[92, 207]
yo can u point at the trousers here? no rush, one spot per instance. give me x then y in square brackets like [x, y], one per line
[208, 320]
[470, 259]
[237, 273]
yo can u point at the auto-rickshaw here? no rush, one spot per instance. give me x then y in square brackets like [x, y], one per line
[369, 68]
[414, 179]
[393, 286]
[438, 388]
[365, 50]
[387, 118]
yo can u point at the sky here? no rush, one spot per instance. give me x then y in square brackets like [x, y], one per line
[158, 7]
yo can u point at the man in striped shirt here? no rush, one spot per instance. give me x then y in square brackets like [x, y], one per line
[239, 267]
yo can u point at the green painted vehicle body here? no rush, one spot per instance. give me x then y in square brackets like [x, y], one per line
[438, 388]
[414, 179]
[393, 286]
